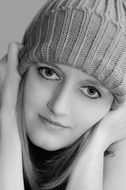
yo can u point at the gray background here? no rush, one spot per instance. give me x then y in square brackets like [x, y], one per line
[15, 15]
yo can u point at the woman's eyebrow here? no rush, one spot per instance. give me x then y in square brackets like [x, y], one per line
[94, 82]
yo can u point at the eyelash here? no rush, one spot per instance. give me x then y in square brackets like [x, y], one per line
[89, 96]
[40, 69]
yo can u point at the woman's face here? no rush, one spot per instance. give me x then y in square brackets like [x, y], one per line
[61, 103]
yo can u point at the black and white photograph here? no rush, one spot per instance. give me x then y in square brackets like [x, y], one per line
[63, 95]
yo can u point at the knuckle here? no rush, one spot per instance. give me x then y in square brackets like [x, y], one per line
[12, 46]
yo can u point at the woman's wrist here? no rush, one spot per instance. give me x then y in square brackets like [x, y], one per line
[88, 164]
[96, 144]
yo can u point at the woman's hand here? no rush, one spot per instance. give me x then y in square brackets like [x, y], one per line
[9, 89]
[89, 168]
[11, 175]
[112, 128]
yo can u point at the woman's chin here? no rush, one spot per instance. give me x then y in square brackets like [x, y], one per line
[45, 144]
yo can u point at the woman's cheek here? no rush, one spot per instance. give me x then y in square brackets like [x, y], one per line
[87, 115]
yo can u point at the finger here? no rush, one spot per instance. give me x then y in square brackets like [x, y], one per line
[12, 56]
[4, 59]
[3, 65]
[10, 90]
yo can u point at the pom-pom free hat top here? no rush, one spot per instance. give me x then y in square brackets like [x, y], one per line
[87, 34]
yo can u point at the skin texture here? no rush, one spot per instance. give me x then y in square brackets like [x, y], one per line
[11, 171]
[66, 95]
[109, 130]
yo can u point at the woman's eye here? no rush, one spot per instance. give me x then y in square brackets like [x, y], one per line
[91, 92]
[48, 73]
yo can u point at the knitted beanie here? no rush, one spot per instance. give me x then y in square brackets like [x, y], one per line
[86, 34]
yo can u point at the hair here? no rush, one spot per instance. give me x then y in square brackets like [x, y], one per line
[53, 170]
[57, 168]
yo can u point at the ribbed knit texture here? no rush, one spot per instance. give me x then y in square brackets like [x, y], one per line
[86, 34]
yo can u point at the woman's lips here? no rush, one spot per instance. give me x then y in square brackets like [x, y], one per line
[54, 123]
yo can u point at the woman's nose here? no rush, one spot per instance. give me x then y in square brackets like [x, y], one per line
[59, 104]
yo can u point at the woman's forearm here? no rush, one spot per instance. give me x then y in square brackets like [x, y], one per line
[94, 172]
[115, 168]
[88, 172]
[11, 170]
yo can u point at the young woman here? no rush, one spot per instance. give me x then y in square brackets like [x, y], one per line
[63, 107]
